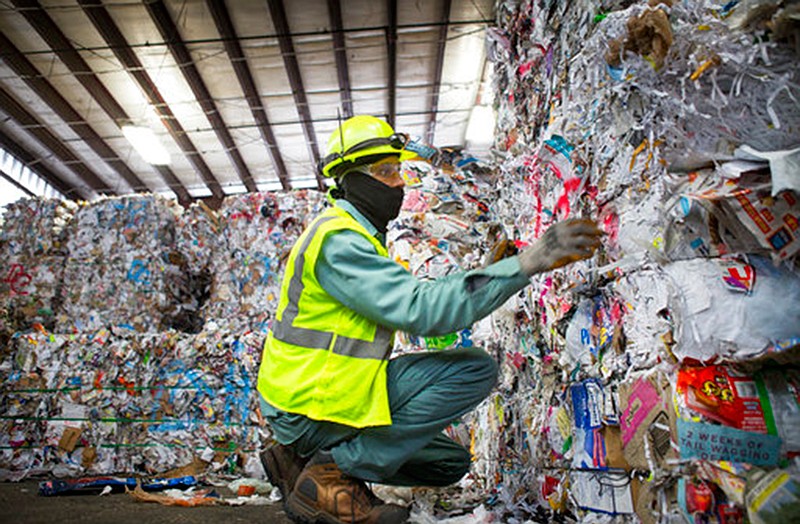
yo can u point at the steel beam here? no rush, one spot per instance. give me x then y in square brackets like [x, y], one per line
[437, 71]
[106, 26]
[336, 119]
[35, 165]
[391, 45]
[50, 141]
[169, 31]
[13, 181]
[296, 81]
[295, 34]
[239, 63]
[63, 48]
[340, 53]
[44, 90]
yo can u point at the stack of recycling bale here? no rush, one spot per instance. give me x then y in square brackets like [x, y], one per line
[116, 401]
[32, 248]
[646, 370]
[117, 254]
[152, 362]
[259, 230]
[447, 224]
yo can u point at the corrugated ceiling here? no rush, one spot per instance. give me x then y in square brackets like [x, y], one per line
[243, 94]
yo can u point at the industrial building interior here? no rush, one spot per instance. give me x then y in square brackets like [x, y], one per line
[600, 201]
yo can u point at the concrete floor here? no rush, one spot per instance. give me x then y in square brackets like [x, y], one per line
[20, 503]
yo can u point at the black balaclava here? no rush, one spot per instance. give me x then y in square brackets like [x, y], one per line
[375, 200]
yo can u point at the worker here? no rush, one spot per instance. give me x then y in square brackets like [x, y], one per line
[341, 411]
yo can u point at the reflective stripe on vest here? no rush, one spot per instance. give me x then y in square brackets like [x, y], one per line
[284, 331]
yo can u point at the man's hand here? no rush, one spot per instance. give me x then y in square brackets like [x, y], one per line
[563, 243]
[503, 248]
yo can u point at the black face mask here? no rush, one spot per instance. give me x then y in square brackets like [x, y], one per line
[378, 202]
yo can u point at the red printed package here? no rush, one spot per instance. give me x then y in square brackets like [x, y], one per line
[722, 395]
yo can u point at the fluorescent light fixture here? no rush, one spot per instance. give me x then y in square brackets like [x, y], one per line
[144, 141]
[269, 186]
[199, 191]
[480, 128]
[235, 189]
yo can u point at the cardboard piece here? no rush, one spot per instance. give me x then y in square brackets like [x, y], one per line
[615, 456]
[193, 469]
[646, 422]
[69, 439]
[89, 456]
[648, 497]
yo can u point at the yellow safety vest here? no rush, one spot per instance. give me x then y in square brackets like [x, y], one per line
[321, 359]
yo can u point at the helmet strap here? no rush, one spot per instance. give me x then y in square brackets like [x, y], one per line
[336, 192]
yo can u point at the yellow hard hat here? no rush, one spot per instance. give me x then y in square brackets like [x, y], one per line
[359, 140]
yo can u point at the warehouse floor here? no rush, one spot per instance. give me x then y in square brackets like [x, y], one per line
[21, 504]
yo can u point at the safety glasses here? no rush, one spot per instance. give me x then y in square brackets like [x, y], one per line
[385, 170]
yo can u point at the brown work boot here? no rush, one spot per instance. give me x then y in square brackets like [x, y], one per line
[283, 466]
[325, 495]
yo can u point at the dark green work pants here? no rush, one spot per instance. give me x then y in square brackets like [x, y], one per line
[427, 392]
